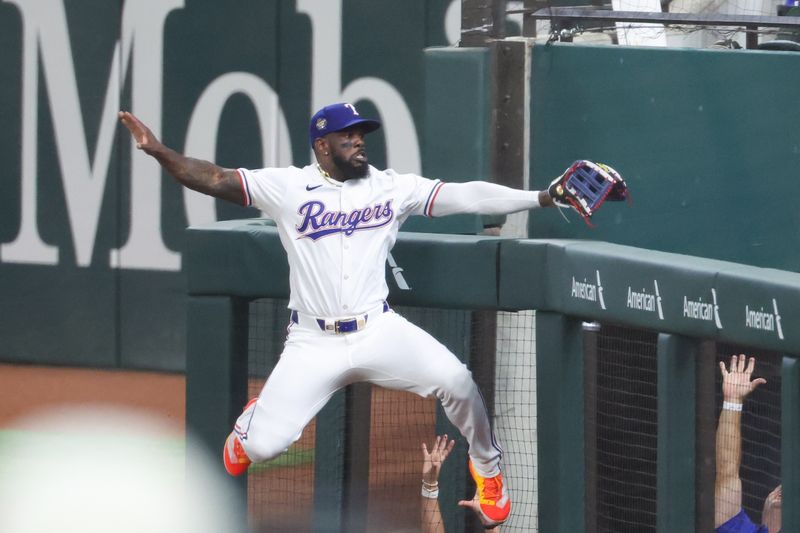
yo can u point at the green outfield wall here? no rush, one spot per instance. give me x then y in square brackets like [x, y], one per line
[688, 300]
[92, 236]
[706, 139]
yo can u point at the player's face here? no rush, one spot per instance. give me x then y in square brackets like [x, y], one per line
[348, 152]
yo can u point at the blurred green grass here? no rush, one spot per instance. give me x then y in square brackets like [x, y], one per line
[172, 447]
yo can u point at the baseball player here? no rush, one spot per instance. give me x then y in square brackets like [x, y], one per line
[337, 219]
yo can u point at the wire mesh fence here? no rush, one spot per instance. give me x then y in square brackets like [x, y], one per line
[622, 430]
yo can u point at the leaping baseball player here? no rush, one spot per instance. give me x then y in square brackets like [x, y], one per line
[337, 219]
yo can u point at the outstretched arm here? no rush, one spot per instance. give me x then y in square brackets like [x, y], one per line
[736, 386]
[431, 466]
[196, 174]
[485, 198]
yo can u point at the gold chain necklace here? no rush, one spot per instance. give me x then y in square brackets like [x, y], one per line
[328, 177]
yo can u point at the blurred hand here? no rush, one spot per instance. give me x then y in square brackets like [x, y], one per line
[475, 505]
[774, 498]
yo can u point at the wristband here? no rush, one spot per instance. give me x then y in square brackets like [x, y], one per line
[732, 406]
[428, 493]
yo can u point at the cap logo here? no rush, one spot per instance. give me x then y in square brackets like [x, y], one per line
[352, 108]
[321, 123]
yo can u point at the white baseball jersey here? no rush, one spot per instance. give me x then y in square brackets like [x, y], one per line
[337, 235]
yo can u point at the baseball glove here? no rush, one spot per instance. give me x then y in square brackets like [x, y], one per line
[585, 185]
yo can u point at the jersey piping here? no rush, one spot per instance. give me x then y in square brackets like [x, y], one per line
[248, 198]
[428, 211]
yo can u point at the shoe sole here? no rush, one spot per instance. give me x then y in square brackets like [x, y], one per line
[234, 469]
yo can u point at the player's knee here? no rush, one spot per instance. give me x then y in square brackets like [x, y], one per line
[262, 450]
[459, 385]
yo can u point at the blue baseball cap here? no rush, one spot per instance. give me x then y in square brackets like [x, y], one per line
[337, 117]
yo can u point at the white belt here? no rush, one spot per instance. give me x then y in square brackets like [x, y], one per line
[338, 325]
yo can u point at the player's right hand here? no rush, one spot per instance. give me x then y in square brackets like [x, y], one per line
[145, 140]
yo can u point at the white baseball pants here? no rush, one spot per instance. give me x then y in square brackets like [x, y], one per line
[390, 352]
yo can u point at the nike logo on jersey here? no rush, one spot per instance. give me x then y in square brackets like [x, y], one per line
[312, 187]
[319, 222]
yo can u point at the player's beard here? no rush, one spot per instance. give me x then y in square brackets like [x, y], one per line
[350, 170]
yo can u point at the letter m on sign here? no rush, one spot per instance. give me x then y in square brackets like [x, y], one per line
[46, 42]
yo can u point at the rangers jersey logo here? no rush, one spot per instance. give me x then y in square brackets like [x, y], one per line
[318, 222]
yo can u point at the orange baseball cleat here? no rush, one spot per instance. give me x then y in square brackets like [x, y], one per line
[233, 454]
[494, 501]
